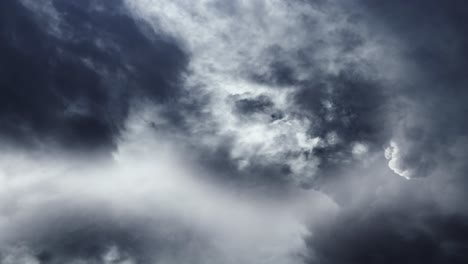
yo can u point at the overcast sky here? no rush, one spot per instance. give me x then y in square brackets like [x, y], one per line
[233, 131]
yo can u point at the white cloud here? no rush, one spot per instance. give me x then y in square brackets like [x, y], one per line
[394, 156]
[360, 149]
[47, 14]
[16, 255]
[150, 179]
[230, 40]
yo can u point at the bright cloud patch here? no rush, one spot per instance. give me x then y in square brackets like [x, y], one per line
[233, 45]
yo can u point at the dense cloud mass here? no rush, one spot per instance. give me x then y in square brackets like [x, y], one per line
[231, 131]
[69, 71]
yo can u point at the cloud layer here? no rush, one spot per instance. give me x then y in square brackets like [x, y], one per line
[216, 131]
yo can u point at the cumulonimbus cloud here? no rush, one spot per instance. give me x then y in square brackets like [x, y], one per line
[148, 131]
[149, 205]
[282, 53]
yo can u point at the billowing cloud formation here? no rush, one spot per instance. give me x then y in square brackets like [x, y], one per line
[69, 71]
[431, 37]
[422, 220]
[287, 83]
[142, 209]
[233, 132]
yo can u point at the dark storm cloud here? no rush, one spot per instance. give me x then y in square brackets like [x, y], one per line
[350, 106]
[433, 36]
[385, 219]
[397, 235]
[416, 223]
[93, 235]
[68, 74]
[278, 95]
[105, 214]
[250, 106]
[344, 106]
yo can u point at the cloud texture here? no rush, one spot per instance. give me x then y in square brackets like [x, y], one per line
[216, 131]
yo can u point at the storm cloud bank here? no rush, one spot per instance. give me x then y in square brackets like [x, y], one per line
[216, 131]
[70, 70]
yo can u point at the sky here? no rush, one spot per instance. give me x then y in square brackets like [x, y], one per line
[233, 131]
